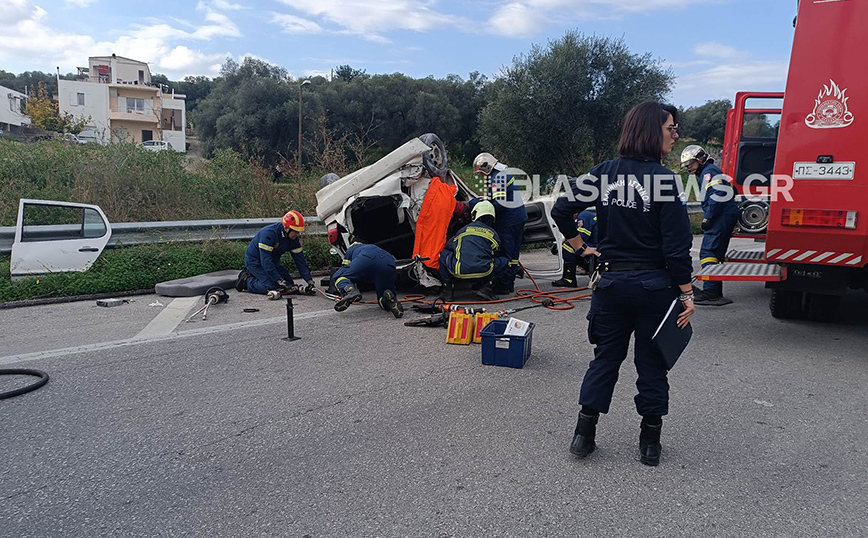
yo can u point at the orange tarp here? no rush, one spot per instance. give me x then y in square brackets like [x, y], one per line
[433, 221]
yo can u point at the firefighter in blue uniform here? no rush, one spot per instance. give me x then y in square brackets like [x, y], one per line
[720, 214]
[263, 272]
[367, 263]
[510, 215]
[586, 225]
[474, 254]
[644, 241]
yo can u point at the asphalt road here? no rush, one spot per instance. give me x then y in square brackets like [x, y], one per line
[365, 427]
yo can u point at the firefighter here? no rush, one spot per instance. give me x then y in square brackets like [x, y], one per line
[509, 212]
[367, 263]
[586, 225]
[720, 213]
[644, 265]
[263, 272]
[474, 254]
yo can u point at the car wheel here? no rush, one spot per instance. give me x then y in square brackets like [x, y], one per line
[434, 160]
[819, 307]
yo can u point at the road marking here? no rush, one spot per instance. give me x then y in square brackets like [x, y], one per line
[161, 338]
[169, 318]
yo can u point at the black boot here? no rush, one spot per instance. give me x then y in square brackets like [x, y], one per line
[649, 444]
[390, 303]
[349, 295]
[569, 278]
[486, 293]
[241, 281]
[583, 440]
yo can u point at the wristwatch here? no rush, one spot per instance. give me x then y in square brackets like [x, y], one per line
[688, 296]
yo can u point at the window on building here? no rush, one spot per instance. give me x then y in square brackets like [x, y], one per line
[135, 105]
[76, 99]
[80, 98]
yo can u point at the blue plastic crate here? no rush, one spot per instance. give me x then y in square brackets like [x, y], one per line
[500, 350]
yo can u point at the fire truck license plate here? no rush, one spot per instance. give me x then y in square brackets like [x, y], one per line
[824, 171]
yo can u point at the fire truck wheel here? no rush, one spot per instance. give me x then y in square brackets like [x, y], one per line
[786, 304]
[820, 307]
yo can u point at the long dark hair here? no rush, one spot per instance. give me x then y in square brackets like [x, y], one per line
[641, 135]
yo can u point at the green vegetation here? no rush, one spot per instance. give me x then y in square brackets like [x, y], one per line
[141, 267]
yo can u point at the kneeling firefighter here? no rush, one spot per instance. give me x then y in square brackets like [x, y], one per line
[474, 254]
[586, 225]
[263, 271]
[368, 263]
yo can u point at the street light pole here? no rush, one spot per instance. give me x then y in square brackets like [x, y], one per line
[300, 86]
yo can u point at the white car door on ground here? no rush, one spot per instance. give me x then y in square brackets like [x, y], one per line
[55, 237]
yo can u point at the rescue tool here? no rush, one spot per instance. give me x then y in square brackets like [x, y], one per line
[214, 295]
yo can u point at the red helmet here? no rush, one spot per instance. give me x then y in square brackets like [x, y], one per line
[293, 221]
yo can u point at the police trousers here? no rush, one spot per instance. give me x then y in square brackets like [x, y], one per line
[628, 303]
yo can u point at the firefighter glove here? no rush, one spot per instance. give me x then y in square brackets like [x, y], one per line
[282, 284]
[706, 225]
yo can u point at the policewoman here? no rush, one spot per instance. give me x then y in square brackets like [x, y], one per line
[644, 241]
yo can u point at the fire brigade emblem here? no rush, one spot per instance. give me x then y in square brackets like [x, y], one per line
[830, 109]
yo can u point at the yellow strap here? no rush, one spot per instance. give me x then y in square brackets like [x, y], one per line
[269, 248]
[710, 259]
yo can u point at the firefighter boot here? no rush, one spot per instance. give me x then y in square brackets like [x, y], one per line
[486, 293]
[241, 281]
[349, 295]
[710, 298]
[583, 440]
[649, 443]
[569, 278]
[390, 303]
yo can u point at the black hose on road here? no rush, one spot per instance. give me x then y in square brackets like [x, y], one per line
[43, 379]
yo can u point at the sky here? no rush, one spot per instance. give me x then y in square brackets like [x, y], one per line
[714, 47]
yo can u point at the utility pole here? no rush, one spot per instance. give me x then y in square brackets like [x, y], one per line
[300, 86]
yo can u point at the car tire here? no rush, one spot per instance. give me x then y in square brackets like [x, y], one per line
[820, 307]
[786, 304]
[435, 160]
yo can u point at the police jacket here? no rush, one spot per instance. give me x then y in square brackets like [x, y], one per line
[471, 253]
[506, 197]
[368, 253]
[268, 245]
[718, 196]
[641, 214]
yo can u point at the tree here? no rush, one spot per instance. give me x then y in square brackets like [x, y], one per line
[347, 73]
[705, 123]
[560, 108]
[45, 113]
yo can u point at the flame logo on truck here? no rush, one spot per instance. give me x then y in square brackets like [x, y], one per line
[830, 109]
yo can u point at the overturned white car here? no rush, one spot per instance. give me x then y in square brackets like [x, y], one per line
[381, 203]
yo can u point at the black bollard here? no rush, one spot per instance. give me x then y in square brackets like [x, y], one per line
[290, 326]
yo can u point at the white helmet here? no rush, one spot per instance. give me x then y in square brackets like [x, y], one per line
[484, 162]
[692, 153]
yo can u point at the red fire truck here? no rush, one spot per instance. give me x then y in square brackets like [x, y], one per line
[793, 157]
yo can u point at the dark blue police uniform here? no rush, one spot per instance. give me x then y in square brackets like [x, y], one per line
[721, 210]
[262, 259]
[644, 239]
[367, 263]
[510, 216]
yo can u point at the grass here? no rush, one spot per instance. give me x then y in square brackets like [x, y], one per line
[144, 266]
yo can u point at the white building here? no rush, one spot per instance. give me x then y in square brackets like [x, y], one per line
[123, 104]
[11, 104]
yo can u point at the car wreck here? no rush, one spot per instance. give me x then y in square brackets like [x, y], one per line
[381, 204]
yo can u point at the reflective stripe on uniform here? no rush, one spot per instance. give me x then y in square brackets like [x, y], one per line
[710, 259]
[346, 262]
[513, 262]
[338, 281]
[269, 248]
[713, 183]
[296, 250]
[569, 248]
[584, 231]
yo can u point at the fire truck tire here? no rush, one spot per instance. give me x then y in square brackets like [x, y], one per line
[786, 304]
[819, 307]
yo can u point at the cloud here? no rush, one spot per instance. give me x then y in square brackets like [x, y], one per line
[370, 19]
[723, 80]
[716, 50]
[290, 24]
[80, 3]
[525, 18]
[29, 42]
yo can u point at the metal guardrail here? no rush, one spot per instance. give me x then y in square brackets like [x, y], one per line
[179, 231]
[191, 231]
